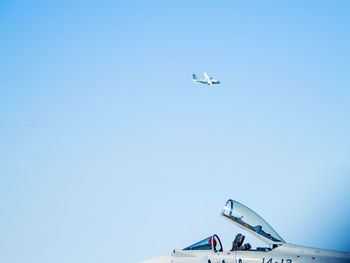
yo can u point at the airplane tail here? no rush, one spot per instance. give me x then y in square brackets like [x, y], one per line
[194, 77]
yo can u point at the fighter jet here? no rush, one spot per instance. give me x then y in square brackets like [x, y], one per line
[210, 250]
[207, 80]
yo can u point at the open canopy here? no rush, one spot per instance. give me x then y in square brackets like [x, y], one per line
[209, 243]
[250, 221]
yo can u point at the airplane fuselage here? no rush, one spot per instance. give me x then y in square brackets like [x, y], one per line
[210, 250]
[285, 253]
[207, 80]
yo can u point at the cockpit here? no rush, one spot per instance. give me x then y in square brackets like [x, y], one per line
[213, 243]
[247, 219]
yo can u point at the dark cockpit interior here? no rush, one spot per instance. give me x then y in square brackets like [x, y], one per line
[237, 243]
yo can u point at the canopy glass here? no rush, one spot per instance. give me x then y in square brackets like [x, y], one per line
[249, 220]
[209, 243]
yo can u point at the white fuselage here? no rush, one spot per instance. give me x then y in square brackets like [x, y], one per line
[209, 250]
[285, 253]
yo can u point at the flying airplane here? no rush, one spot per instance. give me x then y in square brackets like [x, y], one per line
[210, 250]
[207, 80]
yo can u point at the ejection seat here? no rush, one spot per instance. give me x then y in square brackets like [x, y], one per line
[238, 242]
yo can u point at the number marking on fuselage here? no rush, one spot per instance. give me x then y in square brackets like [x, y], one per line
[271, 261]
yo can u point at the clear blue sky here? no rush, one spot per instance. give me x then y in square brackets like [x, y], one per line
[109, 152]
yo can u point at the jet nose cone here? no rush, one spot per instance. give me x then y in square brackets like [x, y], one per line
[161, 259]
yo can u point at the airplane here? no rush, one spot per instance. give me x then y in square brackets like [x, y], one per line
[210, 250]
[207, 80]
